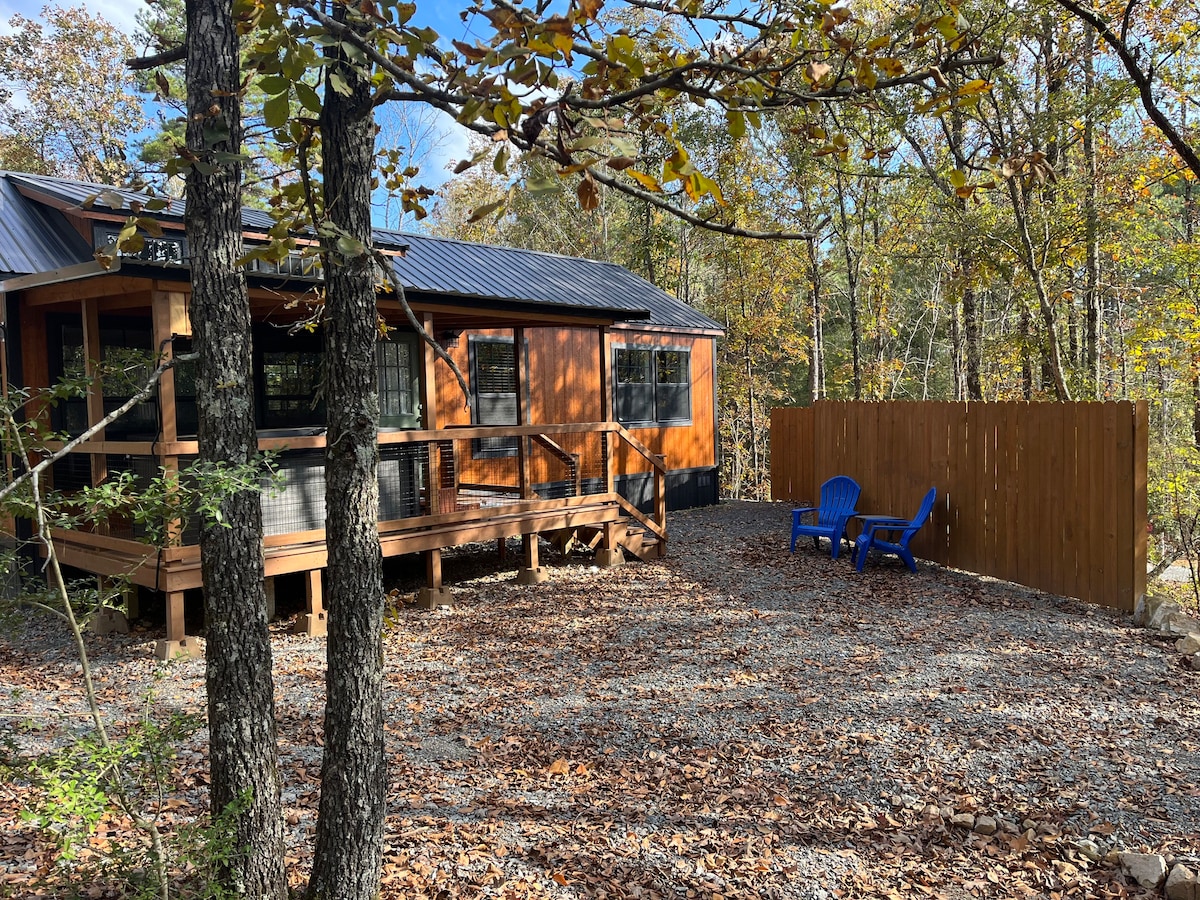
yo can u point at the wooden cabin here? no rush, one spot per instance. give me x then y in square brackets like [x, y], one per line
[592, 406]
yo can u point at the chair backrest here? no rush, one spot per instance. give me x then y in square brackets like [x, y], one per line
[921, 517]
[838, 496]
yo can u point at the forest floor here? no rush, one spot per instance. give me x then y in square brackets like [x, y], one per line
[732, 721]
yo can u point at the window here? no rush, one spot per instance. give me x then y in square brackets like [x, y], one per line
[126, 361]
[288, 369]
[494, 389]
[396, 360]
[652, 386]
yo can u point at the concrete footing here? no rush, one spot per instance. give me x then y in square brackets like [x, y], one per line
[188, 647]
[432, 598]
[532, 575]
[109, 621]
[313, 624]
[608, 559]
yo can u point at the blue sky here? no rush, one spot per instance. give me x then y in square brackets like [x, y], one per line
[441, 140]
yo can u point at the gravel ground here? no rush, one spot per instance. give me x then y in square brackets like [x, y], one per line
[732, 721]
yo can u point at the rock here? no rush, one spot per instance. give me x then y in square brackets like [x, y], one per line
[1009, 827]
[1154, 611]
[1181, 883]
[1180, 625]
[1089, 849]
[963, 820]
[1192, 662]
[985, 825]
[1188, 644]
[1147, 869]
[947, 811]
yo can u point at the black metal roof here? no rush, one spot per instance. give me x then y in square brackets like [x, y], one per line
[35, 238]
[445, 266]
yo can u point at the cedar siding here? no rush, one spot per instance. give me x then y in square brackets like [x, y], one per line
[541, 450]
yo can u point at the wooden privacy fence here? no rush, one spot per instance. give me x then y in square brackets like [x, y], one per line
[1049, 495]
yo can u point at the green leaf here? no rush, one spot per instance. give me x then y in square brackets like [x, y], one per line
[276, 111]
[338, 83]
[309, 98]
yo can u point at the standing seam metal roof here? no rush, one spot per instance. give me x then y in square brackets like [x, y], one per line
[36, 238]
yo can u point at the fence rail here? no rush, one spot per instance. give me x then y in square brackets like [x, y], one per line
[1049, 495]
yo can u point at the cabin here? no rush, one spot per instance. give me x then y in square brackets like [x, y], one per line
[592, 393]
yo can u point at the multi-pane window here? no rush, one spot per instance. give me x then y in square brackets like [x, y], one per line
[396, 364]
[291, 381]
[652, 386]
[494, 386]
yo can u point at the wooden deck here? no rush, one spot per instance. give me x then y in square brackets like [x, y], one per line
[454, 486]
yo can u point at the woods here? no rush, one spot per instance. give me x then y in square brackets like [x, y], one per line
[947, 201]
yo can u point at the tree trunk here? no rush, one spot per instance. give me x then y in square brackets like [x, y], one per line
[241, 696]
[852, 268]
[1091, 215]
[349, 846]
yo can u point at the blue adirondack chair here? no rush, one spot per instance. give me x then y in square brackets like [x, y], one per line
[874, 528]
[838, 496]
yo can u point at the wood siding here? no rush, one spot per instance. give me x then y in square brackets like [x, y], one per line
[1049, 495]
[566, 386]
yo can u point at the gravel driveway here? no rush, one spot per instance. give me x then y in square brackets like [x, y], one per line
[732, 721]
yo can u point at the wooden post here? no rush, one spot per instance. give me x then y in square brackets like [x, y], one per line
[429, 420]
[90, 314]
[313, 622]
[610, 554]
[109, 619]
[530, 572]
[607, 441]
[269, 590]
[177, 643]
[523, 448]
[434, 594]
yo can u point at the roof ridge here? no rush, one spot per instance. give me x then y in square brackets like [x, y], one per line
[408, 235]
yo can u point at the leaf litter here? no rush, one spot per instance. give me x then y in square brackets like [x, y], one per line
[732, 721]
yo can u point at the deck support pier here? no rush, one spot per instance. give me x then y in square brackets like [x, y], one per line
[109, 619]
[610, 555]
[177, 643]
[531, 572]
[434, 594]
[313, 622]
[269, 590]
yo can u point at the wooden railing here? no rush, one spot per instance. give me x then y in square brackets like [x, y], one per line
[448, 476]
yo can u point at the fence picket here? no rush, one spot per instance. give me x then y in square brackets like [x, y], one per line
[1051, 495]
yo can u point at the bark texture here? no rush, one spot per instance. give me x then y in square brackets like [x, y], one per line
[349, 846]
[241, 704]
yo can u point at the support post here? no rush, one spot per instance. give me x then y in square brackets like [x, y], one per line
[429, 419]
[177, 643]
[434, 594]
[108, 619]
[269, 590]
[313, 622]
[531, 572]
[610, 554]
[90, 313]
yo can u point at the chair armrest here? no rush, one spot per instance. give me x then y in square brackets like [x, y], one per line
[879, 524]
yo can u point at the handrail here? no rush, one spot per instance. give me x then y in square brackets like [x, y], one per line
[407, 436]
[648, 522]
[655, 459]
[570, 460]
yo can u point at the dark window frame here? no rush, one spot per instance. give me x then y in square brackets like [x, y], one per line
[656, 394]
[409, 396]
[491, 448]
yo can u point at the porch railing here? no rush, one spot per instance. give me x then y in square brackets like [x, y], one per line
[427, 479]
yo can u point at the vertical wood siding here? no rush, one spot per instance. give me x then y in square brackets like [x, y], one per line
[1049, 495]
